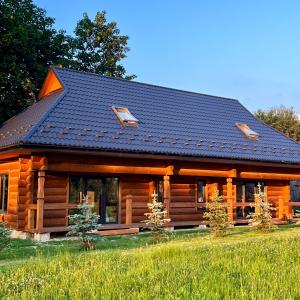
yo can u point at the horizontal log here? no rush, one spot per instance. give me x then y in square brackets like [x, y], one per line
[54, 206]
[292, 203]
[274, 176]
[69, 167]
[54, 222]
[206, 173]
[182, 204]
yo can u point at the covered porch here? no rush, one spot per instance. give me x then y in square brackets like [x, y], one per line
[184, 189]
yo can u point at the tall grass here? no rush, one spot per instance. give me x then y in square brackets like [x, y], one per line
[241, 266]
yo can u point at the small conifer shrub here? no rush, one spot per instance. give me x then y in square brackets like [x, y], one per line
[4, 237]
[84, 222]
[216, 215]
[262, 217]
[156, 218]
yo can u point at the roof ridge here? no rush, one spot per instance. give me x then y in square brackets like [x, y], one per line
[142, 83]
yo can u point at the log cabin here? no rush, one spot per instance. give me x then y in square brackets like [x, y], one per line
[118, 141]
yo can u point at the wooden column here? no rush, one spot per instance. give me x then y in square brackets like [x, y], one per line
[128, 209]
[151, 190]
[167, 195]
[229, 200]
[40, 201]
[281, 208]
[288, 210]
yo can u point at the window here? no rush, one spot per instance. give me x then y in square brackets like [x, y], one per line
[245, 193]
[3, 193]
[102, 195]
[201, 195]
[295, 195]
[124, 116]
[159, 190]
[248, 132]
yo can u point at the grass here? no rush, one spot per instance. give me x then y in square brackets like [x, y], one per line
[243, 265]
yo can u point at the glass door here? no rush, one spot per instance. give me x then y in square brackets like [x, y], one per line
[102, 194]
[109, 212]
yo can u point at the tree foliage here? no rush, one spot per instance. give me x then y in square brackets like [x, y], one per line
[216, 215]
[4, 237]
[84, 222]
[262, 217]
[283, 119]
[29, 45]
[98, 47]
[156, 218]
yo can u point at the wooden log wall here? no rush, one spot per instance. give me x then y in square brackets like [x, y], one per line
[12, 169]
[138, 187]
[275, 190]
[56, 191]
[25, 186]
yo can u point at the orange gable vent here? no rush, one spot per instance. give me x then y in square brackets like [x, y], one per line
[51, 84]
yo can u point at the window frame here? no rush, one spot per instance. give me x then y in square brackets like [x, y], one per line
[131, 123]
[247, 131]
[203, 192]
[4, 197]
[101, 211]
[243, 199]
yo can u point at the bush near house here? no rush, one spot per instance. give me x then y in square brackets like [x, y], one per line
[216, 215]
[262, 217]
[4, 237]
[156, 218]
[84, 222]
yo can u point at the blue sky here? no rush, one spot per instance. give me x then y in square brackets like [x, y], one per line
[249, 50]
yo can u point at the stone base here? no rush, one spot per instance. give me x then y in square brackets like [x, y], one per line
[15, 234]
[202, 226]
[41, 237]
[169, 228]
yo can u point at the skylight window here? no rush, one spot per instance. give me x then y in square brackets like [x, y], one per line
[124, 116]
[248, 132]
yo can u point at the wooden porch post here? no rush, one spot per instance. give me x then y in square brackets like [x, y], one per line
[167, 195]
[229, 200]
[40, 201]
[128, 220]
[281, 209]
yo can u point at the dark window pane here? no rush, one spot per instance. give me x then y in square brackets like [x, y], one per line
[94, 192]
[239, 191]
[112, 191]
[201, 192]
[76, 189]
[201, 197]
[160, 190]
[3, 193]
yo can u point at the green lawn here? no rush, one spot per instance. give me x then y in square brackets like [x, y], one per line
[191, 265]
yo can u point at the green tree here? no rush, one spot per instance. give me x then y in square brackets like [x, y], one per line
[29, 45]
[262, 217]
[98, 47]
[156, 218]
[216, 215]
[283, 119]
[84, 223]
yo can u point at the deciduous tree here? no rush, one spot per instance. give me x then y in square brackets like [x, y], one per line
[282, 118]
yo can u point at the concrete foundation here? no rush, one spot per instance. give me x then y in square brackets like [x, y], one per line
[15, 234]
[169, 228]
[41, 237]
[202, 226]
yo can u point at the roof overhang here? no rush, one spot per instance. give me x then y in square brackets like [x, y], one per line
[29, 149]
